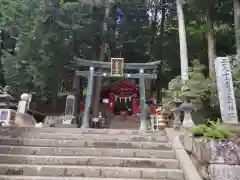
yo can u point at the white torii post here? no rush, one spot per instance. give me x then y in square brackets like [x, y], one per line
[182, 41]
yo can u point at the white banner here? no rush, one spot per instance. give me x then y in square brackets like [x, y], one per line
[225, 90]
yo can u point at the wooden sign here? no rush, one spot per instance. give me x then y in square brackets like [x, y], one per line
[225, 90]
[117, 66]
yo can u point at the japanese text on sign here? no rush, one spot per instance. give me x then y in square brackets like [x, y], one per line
[225, 90]
[117, 66]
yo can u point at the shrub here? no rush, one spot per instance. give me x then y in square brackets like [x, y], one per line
[211, 130]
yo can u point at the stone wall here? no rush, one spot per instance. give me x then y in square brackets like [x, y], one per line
[215, 160]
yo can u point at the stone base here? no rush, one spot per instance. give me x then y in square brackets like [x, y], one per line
[223, 172]
[24, 120]
[215, 160]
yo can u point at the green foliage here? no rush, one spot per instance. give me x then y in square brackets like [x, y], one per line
[47, 37]
[45, 45]
[199, 87]
[211, 130]
[203, 90]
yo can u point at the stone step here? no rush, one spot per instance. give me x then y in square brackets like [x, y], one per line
[2, 177]
[90, 171]
[78, 131]
[101, 137]
[69, 151]
[89, 161]
[66, 126]
[83, 143]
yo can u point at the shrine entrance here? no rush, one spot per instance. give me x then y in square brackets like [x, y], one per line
[117, 67]
[123, 107]
[123, 98]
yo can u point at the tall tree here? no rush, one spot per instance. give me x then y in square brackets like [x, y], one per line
[160, 67]
[205, 12]
[210, 37]
[103, 49]
[236, 4]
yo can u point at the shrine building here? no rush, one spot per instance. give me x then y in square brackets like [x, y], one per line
[123, 98]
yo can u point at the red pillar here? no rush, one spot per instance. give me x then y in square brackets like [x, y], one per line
[111, 103]
[134, 105]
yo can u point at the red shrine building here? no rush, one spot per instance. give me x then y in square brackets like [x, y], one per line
[123, 98]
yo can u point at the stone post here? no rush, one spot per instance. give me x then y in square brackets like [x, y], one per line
[69, 109]
[187, 108]
[23, 104]
[177, 122]
[29, 100]
[70, 104]
[152, 122]
[85, 122]
[176, 113]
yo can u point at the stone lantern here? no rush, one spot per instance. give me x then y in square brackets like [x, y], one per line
[187, 107]
[176, 113]
[7, 108]
[7, 101]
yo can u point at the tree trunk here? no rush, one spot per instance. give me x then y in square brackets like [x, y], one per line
[153, 32]
[211, 44]
[76, 79]
[2, 79]
[54, 101]
[236, 4]
[159, 86]
[77, 94]
[152, 54]
[102, 58]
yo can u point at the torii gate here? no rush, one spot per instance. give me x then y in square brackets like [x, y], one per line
[117, 67]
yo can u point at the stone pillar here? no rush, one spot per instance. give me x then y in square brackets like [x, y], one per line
[176, 114]
[69, 109]
[23, 119]
[152, 122]
[29, 101]
[85, 122]
[188, 121]
[187, 108]
[23, 104]
[70, 104]
[143, 106]
[177, 122]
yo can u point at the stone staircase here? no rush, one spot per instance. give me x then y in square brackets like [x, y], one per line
[124, 122]
[86, 154]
